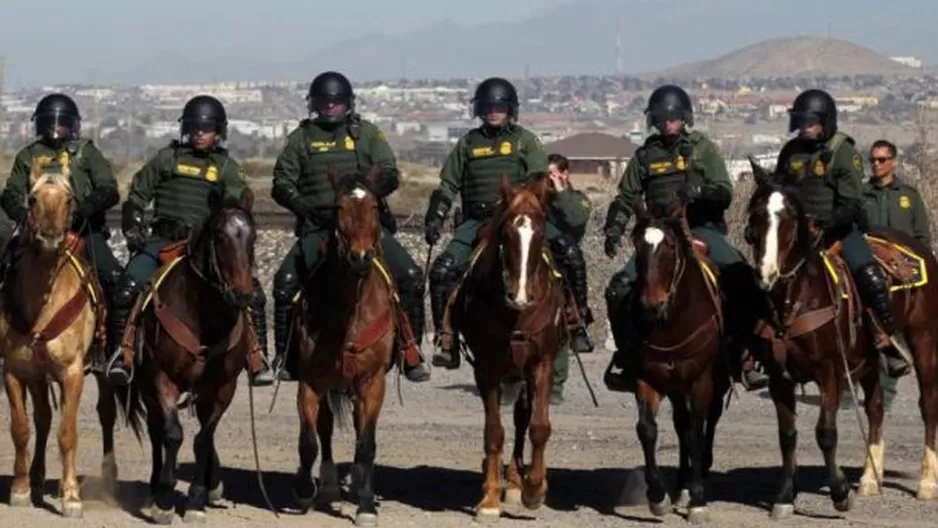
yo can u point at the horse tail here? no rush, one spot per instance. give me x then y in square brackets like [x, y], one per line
[341, 406]
[131, 407]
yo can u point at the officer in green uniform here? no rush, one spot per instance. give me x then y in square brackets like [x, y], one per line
[825, 168]
[178, 179]
[673, 162]
[59, 144]
[335, 136]
[473, 170]
[570, 210]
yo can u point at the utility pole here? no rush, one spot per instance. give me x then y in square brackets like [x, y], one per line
[3, 114]
[618, 45]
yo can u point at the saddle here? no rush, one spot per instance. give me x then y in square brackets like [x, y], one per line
[172, 251]
[701, 247]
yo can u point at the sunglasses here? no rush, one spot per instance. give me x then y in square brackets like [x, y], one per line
[880, 160]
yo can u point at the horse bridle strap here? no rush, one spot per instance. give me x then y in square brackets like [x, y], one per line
[183, 335]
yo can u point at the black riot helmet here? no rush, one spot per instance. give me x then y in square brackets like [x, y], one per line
[330, 87]
[54, 111]
[495, 93]
[668, 103]
[813, 107]
[203, 113]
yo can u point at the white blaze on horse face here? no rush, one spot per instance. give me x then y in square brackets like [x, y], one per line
[653, 237]
[525, 233]
[358, 193]
[769, 264]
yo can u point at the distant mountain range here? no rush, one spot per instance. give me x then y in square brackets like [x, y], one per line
[580, 38]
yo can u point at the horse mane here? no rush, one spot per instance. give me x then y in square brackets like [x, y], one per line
[764, 188]
[671, 215]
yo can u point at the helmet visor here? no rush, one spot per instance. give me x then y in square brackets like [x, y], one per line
[487, 107]
[192, 126]
[798, 120]
[659, 117]
[56, 125]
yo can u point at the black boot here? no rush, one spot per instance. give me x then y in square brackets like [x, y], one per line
[876, 294]
[259, 318]
[283, 314]
[575, 268]
[443, 279]
[619, 375]
[99, 356]
[124, 298]
[412, 302]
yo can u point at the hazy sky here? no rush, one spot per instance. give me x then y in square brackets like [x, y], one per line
[62, 41]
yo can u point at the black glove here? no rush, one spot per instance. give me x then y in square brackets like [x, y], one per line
[81, 215]
[611, 246]
[432, 231]
[136, 239]
[688, 193]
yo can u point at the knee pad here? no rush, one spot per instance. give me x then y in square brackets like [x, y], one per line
[259, 298]
[126, 292]
[442, 268]
[285, 286]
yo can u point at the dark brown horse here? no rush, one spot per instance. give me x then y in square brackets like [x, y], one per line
[678, 351]
[196, 339]
[344, 333]
[510, 309]
[815, 330]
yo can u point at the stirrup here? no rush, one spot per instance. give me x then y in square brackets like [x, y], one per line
[109, 366]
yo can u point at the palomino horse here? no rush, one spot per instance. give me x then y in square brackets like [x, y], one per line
[679, 351]
[344, 333]
[53, 311]
[815, 324]
[200, 295]
[510, 309]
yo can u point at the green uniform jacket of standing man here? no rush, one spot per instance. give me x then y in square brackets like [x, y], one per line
[899, 206]
[301, 184]
[94, 187]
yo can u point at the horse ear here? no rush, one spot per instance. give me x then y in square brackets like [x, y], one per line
[541, 187]
[373, 177]
[214, 199]
[759, 174]
[247, 199]
[505, 188]
[335, 176]
[639, 208]
[676, 209]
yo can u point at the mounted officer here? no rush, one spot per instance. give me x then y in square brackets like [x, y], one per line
[473, 171]
[178, 179]
[825, 168]
[58, 145]
[335, 136]
[674, 162]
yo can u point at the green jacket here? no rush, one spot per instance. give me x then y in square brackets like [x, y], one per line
[828, 178]
[657, 171]
[301, 172]
[570, 211]
[899, 206]
[92, 179]
[474, 168]
[178, 179]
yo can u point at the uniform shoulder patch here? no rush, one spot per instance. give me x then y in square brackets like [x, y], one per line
[905, 202]
[857, 162]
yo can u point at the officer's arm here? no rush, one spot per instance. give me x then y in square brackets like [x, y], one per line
[144, 182]
[105, 194]
[620, 210]
[717, 189]
[780, 173]
[572, 209]
[451, 175]
[286, 173]
[13, 199]
[535, 157]
[233, 183]
[847, 172]
[921, 220]
[383, 157]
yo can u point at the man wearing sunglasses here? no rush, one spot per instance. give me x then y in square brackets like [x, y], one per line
[827, 173]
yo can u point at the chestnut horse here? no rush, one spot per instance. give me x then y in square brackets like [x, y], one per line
[815, 325]
[510, 310]
[679, 351]
[193, 326]
[344, 333]
[53, 313]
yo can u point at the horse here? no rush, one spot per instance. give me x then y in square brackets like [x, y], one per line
[192, 326]
[53, 314]
[344, 330]
[679, 350]
[813, 329]
[510, 310]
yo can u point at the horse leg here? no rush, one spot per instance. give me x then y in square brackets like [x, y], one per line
[825, 432]
[155, 430]
[681, 418]
[513, 475]
[307, 404]
[329, 490]
[648, 401]
[42, 420]
[107, 417]
[701, 398]
[72, 385]
[19, 431]
[171, 435]
[924, 352]
[370, 403]
[535, 481]
[871, 481]
[489, 508]
[210, 406]
[783, 395]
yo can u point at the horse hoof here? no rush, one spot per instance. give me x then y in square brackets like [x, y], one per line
[193, 517]
[927, 491]
[366, 519]
[21, 500]
[782, 511]
[512, 496]
[488, 515]
[215, 496]
[328, 495]
[846, 504]
[161, 516]
[662, 508]
[869, 488]
[683, 499]
[698, 515]
[71, 509]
